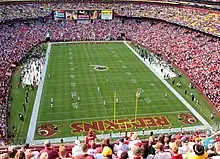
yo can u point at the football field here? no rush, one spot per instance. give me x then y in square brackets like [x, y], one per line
[94, 86]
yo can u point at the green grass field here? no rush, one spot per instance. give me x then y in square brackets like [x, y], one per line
[71, 68]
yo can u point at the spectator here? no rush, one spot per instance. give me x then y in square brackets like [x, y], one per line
[4, 156]
[136, 152]
[99, 154]
[84, 154]
[52, 154]
[198, 152]
[63, 153]
[76, 150]
[160, 154]
[90, 137]
[175, 154]
[107, 151]
[124, 155]
[92, 149]
[184, 148]
[44, 155]
[20, 155]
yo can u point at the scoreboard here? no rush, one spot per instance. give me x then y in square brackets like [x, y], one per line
[83, 14]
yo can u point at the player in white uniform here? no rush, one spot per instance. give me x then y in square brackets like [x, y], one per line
[212, 116]
[72, 95]
[165, 95]
[51, 102]
[117, 100]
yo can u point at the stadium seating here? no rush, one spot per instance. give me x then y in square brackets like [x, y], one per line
[180, 144]
[200, 19]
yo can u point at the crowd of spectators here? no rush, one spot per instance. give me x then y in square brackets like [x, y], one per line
[164, 146]
[204, 20]
[23, 11]
[196, 53]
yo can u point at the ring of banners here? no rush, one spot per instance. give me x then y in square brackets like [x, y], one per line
[83, 14]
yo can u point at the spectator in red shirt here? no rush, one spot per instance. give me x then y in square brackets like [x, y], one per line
[52, 154]
[90, 137]
[175, 154]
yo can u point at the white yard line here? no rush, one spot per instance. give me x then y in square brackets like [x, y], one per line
[33, 121]
[192, 110]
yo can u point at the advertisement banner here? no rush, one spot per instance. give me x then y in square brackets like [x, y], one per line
[83, 14]
[71, 15]
[106, 14]
[59, 15]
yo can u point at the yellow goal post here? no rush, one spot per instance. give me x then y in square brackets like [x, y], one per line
[137, 95]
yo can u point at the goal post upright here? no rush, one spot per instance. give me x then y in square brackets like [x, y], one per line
[114, 109]
[136, 106]
[135, 112]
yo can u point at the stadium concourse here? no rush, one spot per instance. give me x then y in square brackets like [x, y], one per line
[194, 52]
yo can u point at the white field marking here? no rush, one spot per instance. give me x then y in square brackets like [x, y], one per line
[118, 135]
[121, 101]
[96, 110]
[114, 88]
[63, 68]
[33, 120]
[80, 80]
[99, 92]
[121, 91]
[160, 76]
[92, 118]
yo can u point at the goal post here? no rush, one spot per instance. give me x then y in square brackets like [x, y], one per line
[137, 95]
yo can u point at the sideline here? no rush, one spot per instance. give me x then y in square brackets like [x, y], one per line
[160, 76]
[34, 115]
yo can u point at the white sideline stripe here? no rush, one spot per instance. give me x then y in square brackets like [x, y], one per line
[140, 115]
[33, 121]
[198, 116]
[117, 135]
